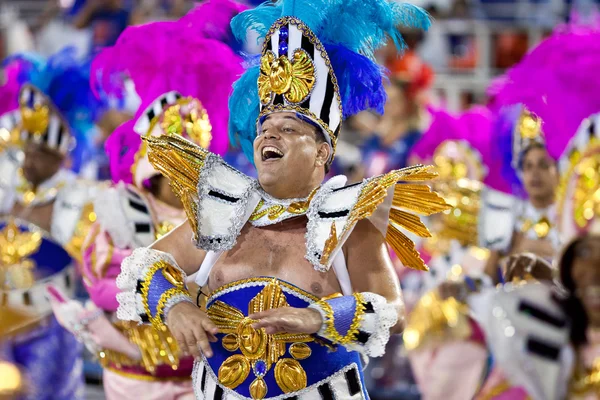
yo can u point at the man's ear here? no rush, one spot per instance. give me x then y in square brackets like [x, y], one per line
[323, 153]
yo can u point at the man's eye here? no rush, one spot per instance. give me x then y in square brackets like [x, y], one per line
[288, 130]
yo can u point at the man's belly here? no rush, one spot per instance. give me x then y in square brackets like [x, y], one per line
[300, 274]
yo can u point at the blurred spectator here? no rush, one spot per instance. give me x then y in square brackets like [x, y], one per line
[396, 132]
[434, 49]
[106, 18]
[158, 10]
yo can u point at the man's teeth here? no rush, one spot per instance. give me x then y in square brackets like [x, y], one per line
[272, 150]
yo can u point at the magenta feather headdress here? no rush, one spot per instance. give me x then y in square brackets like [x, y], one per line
[557, 81]
[184, 56]
[9, 91]
[464, 137]
[121, 147]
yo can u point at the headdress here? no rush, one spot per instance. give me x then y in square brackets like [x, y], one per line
[9, 101]
[57, 106]
[317, 60]
[181, 73]
[553, 99]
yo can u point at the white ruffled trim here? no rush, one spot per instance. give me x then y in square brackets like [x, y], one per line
[377, 325]
[133, 269]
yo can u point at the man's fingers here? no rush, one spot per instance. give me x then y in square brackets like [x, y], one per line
[265, 314]
[202, 341]
[181, 342]
[209, 327]
[192, 344]
[272, 324]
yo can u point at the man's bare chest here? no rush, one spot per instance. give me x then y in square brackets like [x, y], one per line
[275, 252]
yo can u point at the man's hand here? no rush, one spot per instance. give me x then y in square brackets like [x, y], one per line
[192, 329]
[288, 320]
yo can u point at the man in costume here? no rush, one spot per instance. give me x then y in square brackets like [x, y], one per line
[189, 99]
[294, 268]
[46, 220]
[540, 104]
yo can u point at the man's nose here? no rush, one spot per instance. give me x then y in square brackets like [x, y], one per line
[272, 134]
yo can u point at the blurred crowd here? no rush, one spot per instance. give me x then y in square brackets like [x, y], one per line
[519, 165]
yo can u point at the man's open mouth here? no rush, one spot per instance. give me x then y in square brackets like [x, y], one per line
[271, 153]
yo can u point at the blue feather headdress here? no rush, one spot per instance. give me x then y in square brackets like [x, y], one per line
[317, 60]
[57, 104]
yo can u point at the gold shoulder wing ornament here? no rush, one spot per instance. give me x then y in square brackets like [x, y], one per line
[181, 161]
[392, 202]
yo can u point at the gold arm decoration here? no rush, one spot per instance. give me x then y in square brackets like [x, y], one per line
[585, 381]
[331, 333]
[435, 320]
[259, 351]
[175, 286]
[157, 347]
[180, 161]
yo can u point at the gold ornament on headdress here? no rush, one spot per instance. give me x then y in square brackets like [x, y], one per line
[15, 248]
[530, 126]
[293, 79]
[188, 117]
[35, 120]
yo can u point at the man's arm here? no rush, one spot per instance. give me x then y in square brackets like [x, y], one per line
[371, 269]
[179, 244]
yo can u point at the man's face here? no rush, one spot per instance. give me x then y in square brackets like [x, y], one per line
[540, 175]
[286, 150]
[40, 164]
[586, 276]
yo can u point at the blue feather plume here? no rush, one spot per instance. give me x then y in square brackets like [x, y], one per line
[350, 30]
[242, 122]
[504, 127]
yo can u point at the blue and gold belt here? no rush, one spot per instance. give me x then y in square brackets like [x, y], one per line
[256, 365]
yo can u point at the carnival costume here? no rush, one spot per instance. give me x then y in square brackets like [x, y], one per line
[57, 109]
[529, 332]
[313, 65]
[445, 347]
[541, 101]
[188, 99]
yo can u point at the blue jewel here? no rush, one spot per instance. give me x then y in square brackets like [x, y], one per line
[260, 368]
[284, 33]
[283, 49]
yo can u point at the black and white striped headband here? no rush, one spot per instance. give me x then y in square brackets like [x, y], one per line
[155, 109]
[41, 123]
